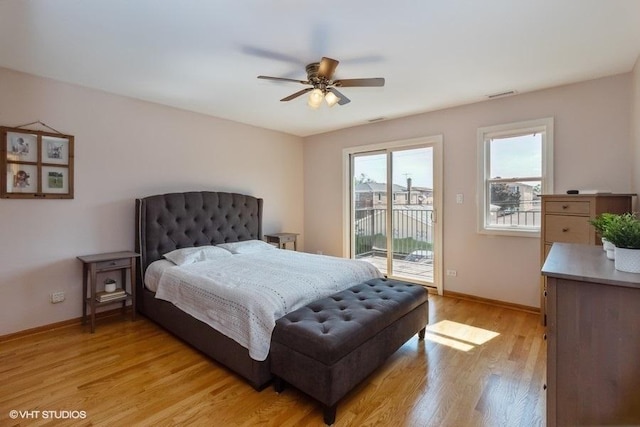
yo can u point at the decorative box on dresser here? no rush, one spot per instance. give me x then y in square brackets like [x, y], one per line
[593, 339]
[565, 219]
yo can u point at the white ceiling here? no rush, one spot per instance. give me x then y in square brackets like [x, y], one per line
[205, 55]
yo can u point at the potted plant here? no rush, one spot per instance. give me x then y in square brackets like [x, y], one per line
[600, 223]
[109, 285]
[624, 232]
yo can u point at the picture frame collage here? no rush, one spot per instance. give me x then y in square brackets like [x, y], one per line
[36, 164]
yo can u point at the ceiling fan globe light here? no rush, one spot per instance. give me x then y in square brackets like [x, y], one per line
[314, 105]
[331, 99]
[316, 96]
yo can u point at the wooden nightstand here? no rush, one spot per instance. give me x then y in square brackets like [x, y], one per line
[100, 263]
[281, 239]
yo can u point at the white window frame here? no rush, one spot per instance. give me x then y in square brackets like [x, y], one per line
[485, 134]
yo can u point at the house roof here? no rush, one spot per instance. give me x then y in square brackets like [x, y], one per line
[377, 187]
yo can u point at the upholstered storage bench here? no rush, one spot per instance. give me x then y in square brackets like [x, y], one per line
[329, 346]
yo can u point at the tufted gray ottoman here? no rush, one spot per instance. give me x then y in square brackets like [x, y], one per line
[329, 346]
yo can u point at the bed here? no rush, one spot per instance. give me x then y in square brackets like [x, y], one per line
[169, 222]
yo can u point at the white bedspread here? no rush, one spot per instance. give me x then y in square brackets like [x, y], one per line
[242, 296]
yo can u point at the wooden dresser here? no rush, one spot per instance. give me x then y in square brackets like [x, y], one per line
[593, 339]
[565, 218]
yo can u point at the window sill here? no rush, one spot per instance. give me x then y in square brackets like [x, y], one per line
[510, 232]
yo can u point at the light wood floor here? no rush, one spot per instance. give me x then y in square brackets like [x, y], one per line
[137, 374]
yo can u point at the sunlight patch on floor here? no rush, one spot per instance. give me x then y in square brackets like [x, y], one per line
[458, 335]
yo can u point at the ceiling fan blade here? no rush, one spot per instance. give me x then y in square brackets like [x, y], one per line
[284, 79]
[264, 53]
[297, 94]
[343, 99]
[327, 67]
[373, 82]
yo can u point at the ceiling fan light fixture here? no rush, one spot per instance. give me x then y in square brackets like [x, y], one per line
[315, 98]
[331, 99]
[312, 105]
[323, 86]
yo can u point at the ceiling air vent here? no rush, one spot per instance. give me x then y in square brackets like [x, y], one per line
[377, 119]
[502, 94]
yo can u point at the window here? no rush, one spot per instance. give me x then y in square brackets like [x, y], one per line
[515, 166]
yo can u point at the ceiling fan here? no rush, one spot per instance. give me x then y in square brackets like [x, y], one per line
[323, 87]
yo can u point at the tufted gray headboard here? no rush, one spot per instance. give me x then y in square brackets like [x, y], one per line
[178, 220]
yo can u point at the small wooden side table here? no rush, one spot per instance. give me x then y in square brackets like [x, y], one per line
[281, 239]
[100, 263]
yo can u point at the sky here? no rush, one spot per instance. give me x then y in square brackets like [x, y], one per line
[416, 163]
[516, 157]
[512, 157]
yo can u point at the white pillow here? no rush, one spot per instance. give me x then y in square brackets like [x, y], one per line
[247, 246]
[186, 256]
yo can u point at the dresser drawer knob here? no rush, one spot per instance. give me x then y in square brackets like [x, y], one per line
[565, 206]
[545, 293]
[544, 337]
[544, 386]
[565, 229]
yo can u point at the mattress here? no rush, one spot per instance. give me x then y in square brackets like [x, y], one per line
[243, 295]
[154, 272]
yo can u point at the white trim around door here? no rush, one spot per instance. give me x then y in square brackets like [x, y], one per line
[436, 142]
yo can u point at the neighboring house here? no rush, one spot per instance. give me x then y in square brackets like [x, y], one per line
[422, 196]
[528, 211]
[374, 195]
[529, 199]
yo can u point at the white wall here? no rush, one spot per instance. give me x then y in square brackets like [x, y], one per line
[124, 149]
[592, 150]
[635, 128]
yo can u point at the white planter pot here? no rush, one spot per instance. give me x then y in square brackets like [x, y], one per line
[609, 248]
[627, 260]
[607, 245]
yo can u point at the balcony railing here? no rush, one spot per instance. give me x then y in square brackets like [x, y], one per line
[411, 227]
[526, 214]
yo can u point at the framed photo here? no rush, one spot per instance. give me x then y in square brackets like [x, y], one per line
[55, 180]
[55, 150]
[22, 178]
[35, 164]
[22, 147]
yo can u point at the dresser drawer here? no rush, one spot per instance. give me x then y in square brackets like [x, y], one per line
[114, 263]
[570, 207]
[567, 229]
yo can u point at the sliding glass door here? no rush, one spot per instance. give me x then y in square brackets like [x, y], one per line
[393, 211]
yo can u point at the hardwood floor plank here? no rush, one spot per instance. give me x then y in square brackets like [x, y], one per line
[480, 365]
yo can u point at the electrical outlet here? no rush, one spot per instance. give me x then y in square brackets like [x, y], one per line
[452, 273]
[459, 198]
[57, 297]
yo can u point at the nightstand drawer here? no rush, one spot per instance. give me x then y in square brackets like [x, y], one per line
[568, 207]
[567, 229]
[114, 263]
[287, 239]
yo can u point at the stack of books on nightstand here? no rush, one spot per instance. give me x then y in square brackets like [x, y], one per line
[108, 296]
